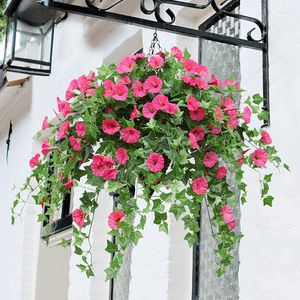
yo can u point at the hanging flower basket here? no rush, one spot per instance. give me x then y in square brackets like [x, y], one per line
[163, 127]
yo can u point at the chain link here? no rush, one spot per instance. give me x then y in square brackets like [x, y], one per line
[155, 43]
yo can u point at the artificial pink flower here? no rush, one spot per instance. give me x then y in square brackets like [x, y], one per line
[45, 124]
[35, 161]
[219, 114]
[156, 61]
[69, 95]
[62, 131]
[80, 129]
[214, 81]
[114, 218]
[138, 56]
[90, 92]
[228, 104]
[202, 84]
[122, 156]
[260, 157]
[149, 110]
[120, 92]
[193, 141]
[265, 138]
[155, 162]
[75, 143]
[100, 164]
[160, 102]
[110, 126]
[130, 135]
[125, 80]
[231, 83]
[78, 217]
[153, 84]
[172, 108]
[92, 76]
[134, 114]
[231, 225]
[210, 159]
[108, 88]
[126, 65]
[241, 157]
[138, 89]
[198, 114]
[63, 107]
[69, 184]
[110, 174]
[200, 186]
[189, 80]
[227, 213]
[214, 130]
[73, 85]
[189, 66]
[192, 103]
[221, 172]
[83, 83]
[247, 115]
[199, 133]
[177, 53]
[46, 147]
[233, 121]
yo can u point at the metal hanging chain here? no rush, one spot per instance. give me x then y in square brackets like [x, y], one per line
[155, 43]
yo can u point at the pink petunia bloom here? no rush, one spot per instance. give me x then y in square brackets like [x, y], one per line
[241, 157]
[233, 119]
[45, 124]
[155, 162]
[115, 218]
[138, 89]
[73, 85]
[75, 143]
[125, 80]
[63, 107]
[122, 156]
[193, 141]
[192, 103]
[78, 217]
[80, 129]
[221, 173]
[172, 108]
[46, 147]
[177, 53]
[189, 80]
[189, 66]
[201, 70]
[110, 126]
[200, 186]
[160, 102]
[62, 131]
[69, 184]
[210, 159]
[120, 92]
[108, 110]
[231, 83]
[260, 157]
[198, 114]
[228, 104]
[265, 138]
[126, 65]
[231, 225]
[227, 213]
[35, 161]
[69, 95]
[83, 83]
[110, 174]
[90, 92]
[219, 114]
[134, 114]
[214, 130]
[130, 135]
[108, 88]
[138, 56]
[199, 133]
[247, 115]
[101, 164]
[214, 81]
[153, 84]
[92, 76]
[202, 84]
[148, 110]
[156, 61]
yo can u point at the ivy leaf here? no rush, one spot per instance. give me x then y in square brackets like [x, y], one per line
[286, 167]
[111, 247]
[164, 227]
[78, 250]
[268, 200]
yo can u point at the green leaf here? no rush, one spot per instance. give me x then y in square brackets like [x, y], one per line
[64, 243]
[159, 217]
[268, 200]
[164, 227]
[268, 177]
[111, 247]
[82, 267]
[286, 167]
[78, 250]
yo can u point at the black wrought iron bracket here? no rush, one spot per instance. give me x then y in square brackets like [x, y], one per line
[161, 9]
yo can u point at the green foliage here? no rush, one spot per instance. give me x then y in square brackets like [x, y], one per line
[2, 19]
[170, 190]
